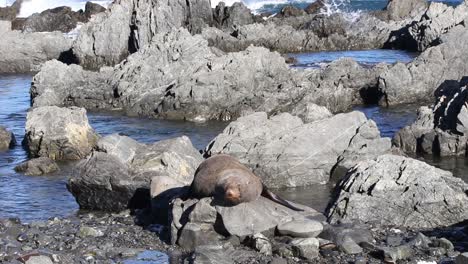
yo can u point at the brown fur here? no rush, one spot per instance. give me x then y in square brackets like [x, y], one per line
[230, 182]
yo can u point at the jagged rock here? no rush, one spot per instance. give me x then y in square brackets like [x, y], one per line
[437, 21]
[418, 80]
[69, 85]
[7, 139]
[59, 133]
[389, 190]
[410, 138]
[301, 228]
[442, 130]
[112, 182]
[289, 11]
[310, 112]
[129, 25]
[62, 19]
[402, 9]
[26, 52]
[287, 153]
[123, 148]
[93, 9]
[10, 12]
[315, 7]
[233, 16]
[39, 166]
[262, 244]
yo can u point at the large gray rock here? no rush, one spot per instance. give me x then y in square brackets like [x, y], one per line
[438, 19]
[233, 16]
[129, 25]
[118, 176]
[285, 152]
[26, 52]
[441, 130]
[61, 85]
[7, 139]
[148, 83]
[59, 133]
[402, 9]
[418, 80]
[399, 191]
[10, 12]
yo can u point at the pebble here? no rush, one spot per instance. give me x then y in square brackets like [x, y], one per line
[262, 244]
[301, 228]
[348, 246]
[307, 248]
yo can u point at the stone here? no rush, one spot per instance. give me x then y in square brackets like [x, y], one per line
[349, 246]
[121, 147]
[258, 216]
[124, 28]
[462, 258]
[39, 166]
[212, 255]
[104, 182]
[39, 260]
[178, 216]
[262, 244]
[402, 9]
[421, 78]
[5, 26]
[310, 112]
[27, 52]
[303, 228]
[204, 212]
[233, 16]
[285, 152]
[92, 9]
[86, 231]
[394, 254]
[289, 11]
[306, 248]
[62, 19]
[315, 7]
[390, 191]
[10, 12]
[7, 139]
[195, 234]
[409, 139]
[59, 133]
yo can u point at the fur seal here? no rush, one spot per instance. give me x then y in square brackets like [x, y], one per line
[229, 181]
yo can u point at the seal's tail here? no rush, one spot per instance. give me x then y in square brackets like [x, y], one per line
[270, 195]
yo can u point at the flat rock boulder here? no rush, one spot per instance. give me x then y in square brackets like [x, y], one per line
[398, 191]
[402, 9]
[59, 133]
[118, 174]
[7, 139]
[285, 152]
[38, 166]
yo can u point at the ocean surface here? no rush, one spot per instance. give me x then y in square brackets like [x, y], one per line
[41, 197]
[32, 6]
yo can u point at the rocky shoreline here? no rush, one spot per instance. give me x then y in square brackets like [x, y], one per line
[184, 60]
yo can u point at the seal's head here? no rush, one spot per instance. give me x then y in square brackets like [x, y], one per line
[232, 193]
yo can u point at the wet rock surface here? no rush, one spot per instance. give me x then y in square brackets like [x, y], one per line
[7, 139]
[59, 133]
[36, 167]
[285, 152]
[399, 191]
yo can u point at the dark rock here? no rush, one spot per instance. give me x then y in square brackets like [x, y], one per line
[278, 148]
[194, 235]
[112, 181]
[10, 12]
[291, 11]
[261, 244]
[462, 258]
[315, 7]
[62, 19]
[7, 139]
[39, 166]
[394, 254]
[59, 133]
[233, 16]
[93, 9]
[390, 191]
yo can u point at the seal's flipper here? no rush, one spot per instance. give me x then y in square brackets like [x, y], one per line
[270, 195]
